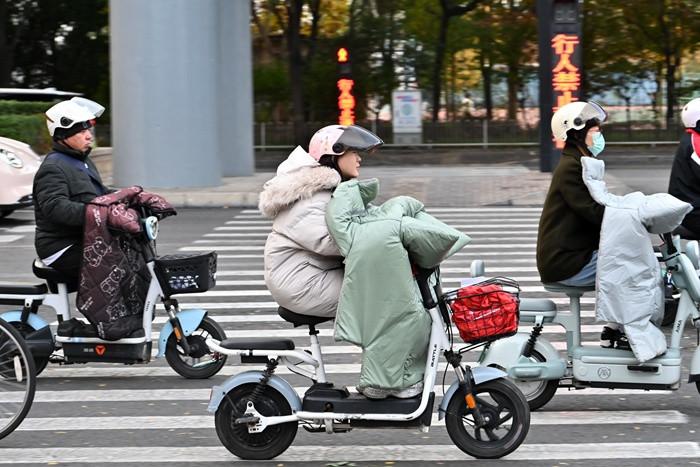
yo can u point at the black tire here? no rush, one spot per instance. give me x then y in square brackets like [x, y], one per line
[184, 364]
[697, 386]
[267, 444]
[537, 392]
[500, 402]
[15, 360]
[24, 330]
[5, 213]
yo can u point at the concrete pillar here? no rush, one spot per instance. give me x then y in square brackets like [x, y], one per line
[165, 81]
[235, 89]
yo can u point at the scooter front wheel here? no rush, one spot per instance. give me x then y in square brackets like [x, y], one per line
[200, 363]
[267, 444]
[506, 416]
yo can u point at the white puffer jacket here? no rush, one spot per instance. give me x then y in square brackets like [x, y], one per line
[628, 279]
[303, 266]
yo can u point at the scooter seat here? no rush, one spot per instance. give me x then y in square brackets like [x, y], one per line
[48, 273]
[532, 307]
[301, 320]
[567, 289]
[257, 344]
[23, 289]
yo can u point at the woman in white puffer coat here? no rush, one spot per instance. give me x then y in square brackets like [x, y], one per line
[303, 265]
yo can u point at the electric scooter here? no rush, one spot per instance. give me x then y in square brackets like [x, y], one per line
[258, 413]
[538, 369]
[181, 340]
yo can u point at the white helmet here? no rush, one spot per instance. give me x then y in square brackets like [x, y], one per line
[69, 117]
[336, 139]
[574, 115]
[691, 113]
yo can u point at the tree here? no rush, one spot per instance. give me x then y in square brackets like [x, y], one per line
[447, 11]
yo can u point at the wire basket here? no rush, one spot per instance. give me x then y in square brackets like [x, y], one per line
[485, 311]
[183, 273]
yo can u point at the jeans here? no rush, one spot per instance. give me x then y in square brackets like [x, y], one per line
[586, 276]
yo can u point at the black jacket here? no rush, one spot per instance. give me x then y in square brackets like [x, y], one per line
[684, 183]
[60, 192]
[569, 230]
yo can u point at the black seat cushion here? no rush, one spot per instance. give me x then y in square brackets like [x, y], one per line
[23, 289]
[301, 320]
[258, 344]
[46, 272]
[52, 276]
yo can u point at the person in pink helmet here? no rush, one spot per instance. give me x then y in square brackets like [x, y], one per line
[303, 265]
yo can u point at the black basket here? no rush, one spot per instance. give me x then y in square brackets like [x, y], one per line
[183, 273]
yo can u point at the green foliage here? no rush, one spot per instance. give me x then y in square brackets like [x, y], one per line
[30, 129]
[23, 107]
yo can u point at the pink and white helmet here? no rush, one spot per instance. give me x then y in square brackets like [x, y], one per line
[336, 139]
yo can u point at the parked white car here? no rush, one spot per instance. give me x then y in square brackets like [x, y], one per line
[18, 164]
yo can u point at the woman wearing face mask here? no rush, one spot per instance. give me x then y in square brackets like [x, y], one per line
[303, 266]
[569, 230]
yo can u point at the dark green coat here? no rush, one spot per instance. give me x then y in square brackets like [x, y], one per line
[569, 230]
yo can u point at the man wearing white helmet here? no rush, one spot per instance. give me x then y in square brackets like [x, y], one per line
[303, 265]
[569, 230]
[66, 180]
[684, 182]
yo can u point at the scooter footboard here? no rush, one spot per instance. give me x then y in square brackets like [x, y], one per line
[253, 377]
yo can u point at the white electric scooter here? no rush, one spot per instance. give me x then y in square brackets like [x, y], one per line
[258, 413]
[538, 369]
[181, 340]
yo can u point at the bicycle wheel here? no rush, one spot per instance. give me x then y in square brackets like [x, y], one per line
[17, 379]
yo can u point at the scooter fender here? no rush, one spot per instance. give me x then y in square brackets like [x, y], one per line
[15, 316]
[189, 321]
[507, 353]
[481, 374]
[253, 377]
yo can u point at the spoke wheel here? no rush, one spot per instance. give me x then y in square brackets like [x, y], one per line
[269, 443]
[17, 379]
[537, 392]
[505, 412]
[201, 363]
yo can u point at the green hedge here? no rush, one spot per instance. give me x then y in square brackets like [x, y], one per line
[30, 129]
[23, 107]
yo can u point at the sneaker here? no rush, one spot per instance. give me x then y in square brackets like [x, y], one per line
[371, 392]
[407, 393]
[614, 338]
[623, 343]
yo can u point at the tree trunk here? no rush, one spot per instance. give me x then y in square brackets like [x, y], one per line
[439, 59]
[486, 79]
[512, 79]
[296, 65]
[6, 52]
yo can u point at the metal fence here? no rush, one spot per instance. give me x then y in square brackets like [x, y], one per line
[472, 133]
[481, 133]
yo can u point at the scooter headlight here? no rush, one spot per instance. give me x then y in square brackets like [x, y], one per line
[11, 159]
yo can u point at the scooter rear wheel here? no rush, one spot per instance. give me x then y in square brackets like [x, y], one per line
[204, 364]
[269, 443]
[537, 392]
[507, 417]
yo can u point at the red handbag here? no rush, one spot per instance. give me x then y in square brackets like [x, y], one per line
[485, 311]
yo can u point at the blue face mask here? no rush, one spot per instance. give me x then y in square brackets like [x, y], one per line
[598, 144]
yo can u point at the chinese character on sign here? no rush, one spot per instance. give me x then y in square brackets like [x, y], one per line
[346, 102]
[566, 77]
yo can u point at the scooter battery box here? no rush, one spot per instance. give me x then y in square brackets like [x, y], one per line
[108, 353]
